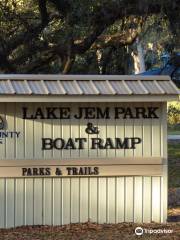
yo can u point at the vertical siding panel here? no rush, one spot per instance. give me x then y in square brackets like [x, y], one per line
[138, 200]
[38, 201]
[128, 132]
[47, 132]
[163, 195]
[102, 200]
[120, 190]
[93, 199]
[84, 189]
[10, 194]
[165, 161]
[156, 199]
[38, 134]
[156, 133]
[147, 136]
[129, 199]
[29, 201]
[3, 144]
[66, 133]
[102, 134]
[47, 217]
[111, 200]
[164, 131]
[111, 130]
[19, 202]
[10, 142]
[57, 205]
[84, 153]
[75, 131]
[92, 152]
[147, 199]
[2, 203]
[120, 131]
[138, 132]
[57, 133]
[74, 200]
[29, 134]
[20, 127]
[66, 201]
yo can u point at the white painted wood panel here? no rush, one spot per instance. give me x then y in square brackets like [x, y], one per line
[138, 199]
[2, 202]
[29, 201]
[28, 145]
[93, 199]
[20, 142]
[38, 201]
[29, 135]
[120, 199]
[75, 201]
[84, 199]
[66, 133]
[56, 201]
[63, 200]
[129, 199]
[111, 130]
[138, 132]
[10, 200]
[75, 130]
[10, 122]
[111, 200]
[2, 141]
[102, 200]
[156, 134]
[66, 200]
[47, 132]
[19, 202]
[147, 204]
[147, 136]
[47, 201]
[38, 131]
[156, 199]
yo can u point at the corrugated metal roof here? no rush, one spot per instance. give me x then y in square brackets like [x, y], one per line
[103, 87]
[54, 87]
[136, 87]
[21, 87]
[6, 87]
[152, 87]
[167, 86]
[86, 85]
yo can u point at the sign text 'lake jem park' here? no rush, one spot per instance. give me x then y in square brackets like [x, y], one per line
[91, 113]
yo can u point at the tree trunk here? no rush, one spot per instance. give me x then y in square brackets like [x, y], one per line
[140, 57]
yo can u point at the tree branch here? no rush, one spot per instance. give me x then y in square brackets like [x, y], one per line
[43, 12]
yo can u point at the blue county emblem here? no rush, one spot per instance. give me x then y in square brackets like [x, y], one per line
[5, 134]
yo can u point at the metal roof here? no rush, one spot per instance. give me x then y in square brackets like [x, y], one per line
[86, 85]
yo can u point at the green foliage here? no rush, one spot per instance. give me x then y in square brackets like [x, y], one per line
[174, 113]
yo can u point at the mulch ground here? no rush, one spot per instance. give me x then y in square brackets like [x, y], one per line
[90, 231]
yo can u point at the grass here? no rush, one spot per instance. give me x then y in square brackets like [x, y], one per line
[174, 132]
[174, 129]
[174, 152]
[174, 164]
